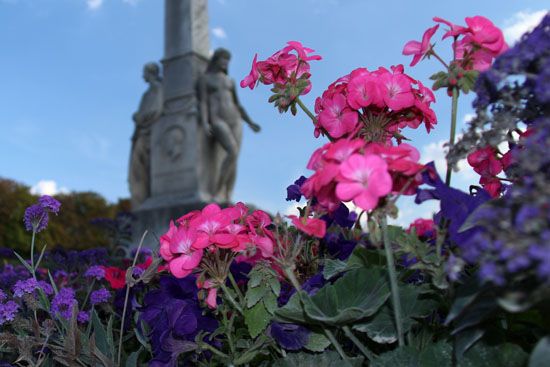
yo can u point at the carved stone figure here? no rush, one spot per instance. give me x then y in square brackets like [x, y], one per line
[150, 109]
[220, 117]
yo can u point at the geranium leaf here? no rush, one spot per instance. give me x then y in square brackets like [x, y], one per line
[539, 356]
[256, 318]
[328, 359]
[355, 296]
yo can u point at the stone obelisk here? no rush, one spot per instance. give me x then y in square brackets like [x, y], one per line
[180, 156]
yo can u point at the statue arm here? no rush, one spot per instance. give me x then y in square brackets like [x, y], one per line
[204, 113]
[254, 126]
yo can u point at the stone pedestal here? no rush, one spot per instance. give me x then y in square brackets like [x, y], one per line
[182, 157]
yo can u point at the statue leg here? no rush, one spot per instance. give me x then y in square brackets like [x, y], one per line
[224, 136]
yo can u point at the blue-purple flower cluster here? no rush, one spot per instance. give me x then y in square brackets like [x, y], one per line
[511, 235]
[36, 216]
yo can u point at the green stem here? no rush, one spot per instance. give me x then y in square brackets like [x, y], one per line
[454, 109]
[214, 350]
[366, 352]
[396, 302]
[126, 296]
[32, 253]
[88, 293]
[307, 111]
[432, 52]
[231, 299]
[334, 342]
[236, 286]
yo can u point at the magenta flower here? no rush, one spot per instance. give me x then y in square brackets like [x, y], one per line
[364, 179]
[454, 30]
[337, 118]
[311, 226]
[397, 90]
[420, 49]
[486, 35]
[251, 79]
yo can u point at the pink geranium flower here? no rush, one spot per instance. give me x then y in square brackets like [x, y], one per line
[420, 49]
[454, 30]
[396, 90]
[251, 79]
[312, 226]
[364, 179]
[337, 118]
[177, 249]
[363, 90]
[485, 34]
[485, 162]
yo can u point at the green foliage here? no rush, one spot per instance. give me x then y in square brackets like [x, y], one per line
[71, 228]
[327, 359]
[261, 298]
[540, 355]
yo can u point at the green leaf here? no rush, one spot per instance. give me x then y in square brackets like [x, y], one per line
[270, 302]
[465, 339]
[275, 285]
[317, 342]
[256, 318]
[24, 262]
[253, 295]
[333, 267]
[361, 257]
[133, 359]
[328, 359]
[482, 355]
[292, 311]
[101, 341]
[541, 353]
[436, 355]
[382, 328]
[438, 75]
[355, 296]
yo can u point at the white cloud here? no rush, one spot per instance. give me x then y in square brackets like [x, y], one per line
[94, 4]
[436, 152]
[521, 22]
[47, 187]
[219, 32]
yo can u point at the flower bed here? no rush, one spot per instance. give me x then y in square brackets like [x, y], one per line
[330, 287]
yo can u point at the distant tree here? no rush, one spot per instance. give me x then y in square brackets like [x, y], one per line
[72, 228]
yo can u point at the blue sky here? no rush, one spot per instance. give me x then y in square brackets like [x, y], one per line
[72, 79]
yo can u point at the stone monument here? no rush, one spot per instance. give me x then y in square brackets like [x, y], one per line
[194, 135]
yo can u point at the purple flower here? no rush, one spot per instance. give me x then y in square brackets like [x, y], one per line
[293, 192]
[35, 218]
[6, 253]
[2, 296]
[63, 303]
[50, 204]
[338, 246]
[100, 296]
[289, 336]
[174, 318]
[8, 311]
[95, 271]
[46, 287]
[23, 287]
[83, 317]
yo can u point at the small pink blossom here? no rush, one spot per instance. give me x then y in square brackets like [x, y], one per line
[337, 118]
[420, 49]
[396, 91]
[423, 227]
[251, 79]
[364, 179]
[485, 162]
[454, 30]
[311, 226]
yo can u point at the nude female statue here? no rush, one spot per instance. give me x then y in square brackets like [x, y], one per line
[221, 115]
[150, 109]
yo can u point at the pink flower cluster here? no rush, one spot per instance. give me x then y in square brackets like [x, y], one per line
[213, 229]
[475, 45]
[424, 228]
[353, 170]
[374, 105]
[488, 164]
[284, 67]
